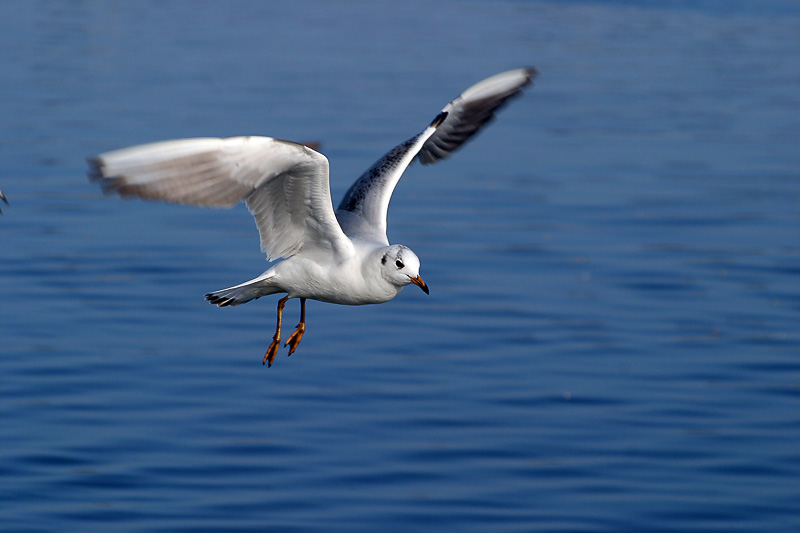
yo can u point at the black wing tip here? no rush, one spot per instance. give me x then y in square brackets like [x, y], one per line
[96, 168]
[531, 72]
[439, 119]
[108, 184]
[219, 301]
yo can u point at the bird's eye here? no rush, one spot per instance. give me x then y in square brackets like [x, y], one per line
[399, 264]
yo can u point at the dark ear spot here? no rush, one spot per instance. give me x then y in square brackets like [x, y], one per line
[383, 259]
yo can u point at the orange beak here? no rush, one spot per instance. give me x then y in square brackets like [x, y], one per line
[419, 283]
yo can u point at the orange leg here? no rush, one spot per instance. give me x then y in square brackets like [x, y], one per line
[272, 351]
[294, 339]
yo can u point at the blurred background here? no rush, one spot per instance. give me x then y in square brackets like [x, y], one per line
[611, 342]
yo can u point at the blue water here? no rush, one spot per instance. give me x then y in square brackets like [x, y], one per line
[611, 342]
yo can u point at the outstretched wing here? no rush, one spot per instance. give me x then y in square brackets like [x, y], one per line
[363, 208]
[285, 185]
[472, 110]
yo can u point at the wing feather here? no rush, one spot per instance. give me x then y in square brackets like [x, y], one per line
[468, 113]
[285, 185]
[364, 207]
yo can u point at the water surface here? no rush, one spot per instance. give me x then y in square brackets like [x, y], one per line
[611, 339]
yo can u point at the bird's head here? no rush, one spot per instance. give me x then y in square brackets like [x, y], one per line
[400, 266]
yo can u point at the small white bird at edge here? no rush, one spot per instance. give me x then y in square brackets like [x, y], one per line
[340, 256]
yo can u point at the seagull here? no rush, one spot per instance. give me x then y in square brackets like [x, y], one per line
[5, 201]
[340, 256]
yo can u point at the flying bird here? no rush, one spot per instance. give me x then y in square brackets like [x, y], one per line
[340, 256]
[5, 201]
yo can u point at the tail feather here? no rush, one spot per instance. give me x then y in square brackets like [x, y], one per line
[240, 294]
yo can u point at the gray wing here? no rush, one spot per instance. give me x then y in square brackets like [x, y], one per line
[363, 209]
[285, 185]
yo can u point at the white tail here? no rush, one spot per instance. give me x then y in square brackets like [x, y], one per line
[242, 293]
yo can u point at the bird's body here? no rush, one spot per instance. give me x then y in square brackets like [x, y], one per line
[354, 280]
[340, 256]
